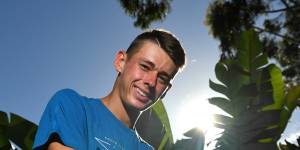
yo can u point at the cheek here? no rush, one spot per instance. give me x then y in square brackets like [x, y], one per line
[131, 74]
[160, 90]
[135, 73]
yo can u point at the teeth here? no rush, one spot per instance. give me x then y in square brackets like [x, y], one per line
[141, 93]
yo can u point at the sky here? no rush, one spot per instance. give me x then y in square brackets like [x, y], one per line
[46, 46]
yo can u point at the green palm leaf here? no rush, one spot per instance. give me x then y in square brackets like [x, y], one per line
[154, 127]
[256, 101]
[16, 129]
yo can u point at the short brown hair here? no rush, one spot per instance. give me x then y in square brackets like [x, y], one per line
[166, 40]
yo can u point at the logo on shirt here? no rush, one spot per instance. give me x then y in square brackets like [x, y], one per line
[109, 144]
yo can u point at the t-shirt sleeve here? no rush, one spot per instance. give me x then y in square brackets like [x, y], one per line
[65, 116]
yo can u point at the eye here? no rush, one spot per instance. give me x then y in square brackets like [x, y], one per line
[163, 79]
[145, 67]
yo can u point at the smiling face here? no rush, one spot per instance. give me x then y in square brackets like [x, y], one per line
[145, 76]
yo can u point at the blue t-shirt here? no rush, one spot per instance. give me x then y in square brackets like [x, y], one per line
[85, 123]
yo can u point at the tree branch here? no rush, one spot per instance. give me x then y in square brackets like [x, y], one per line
[281, 9]
[277, 10]
[285, 3]
[276, 34]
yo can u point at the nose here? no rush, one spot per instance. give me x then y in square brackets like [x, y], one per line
[150, 79]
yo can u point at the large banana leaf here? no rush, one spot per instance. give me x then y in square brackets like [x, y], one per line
[255, 98]
[16, 129]
[195, 141]
[154, 127]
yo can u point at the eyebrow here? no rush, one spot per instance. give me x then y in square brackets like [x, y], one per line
[153, 65]
[149, 63]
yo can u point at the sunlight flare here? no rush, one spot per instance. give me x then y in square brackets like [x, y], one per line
[196, 112]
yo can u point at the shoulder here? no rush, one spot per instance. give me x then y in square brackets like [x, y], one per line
[67, 93]
[65, 116]
[65, 96]
[66, 99]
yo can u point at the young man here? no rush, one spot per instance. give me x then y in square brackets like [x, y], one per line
[145, 72]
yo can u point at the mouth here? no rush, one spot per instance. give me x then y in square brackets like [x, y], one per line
[141, 92]
[143, 96]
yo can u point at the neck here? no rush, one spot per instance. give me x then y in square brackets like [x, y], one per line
[120, 110]
[132, 114]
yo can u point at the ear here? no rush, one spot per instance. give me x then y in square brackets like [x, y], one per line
[166, 90]
[119, 61]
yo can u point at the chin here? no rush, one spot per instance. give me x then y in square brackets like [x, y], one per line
[145, 107]
[141, 107]
[136, 104]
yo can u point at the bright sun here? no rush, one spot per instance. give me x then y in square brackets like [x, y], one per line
[197, 112]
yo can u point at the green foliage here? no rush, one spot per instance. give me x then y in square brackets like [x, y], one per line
[154, 127]
[255, 98]
[160, 110]
[195, 141]
[16, 129]
[146, 11]
[277, 22]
